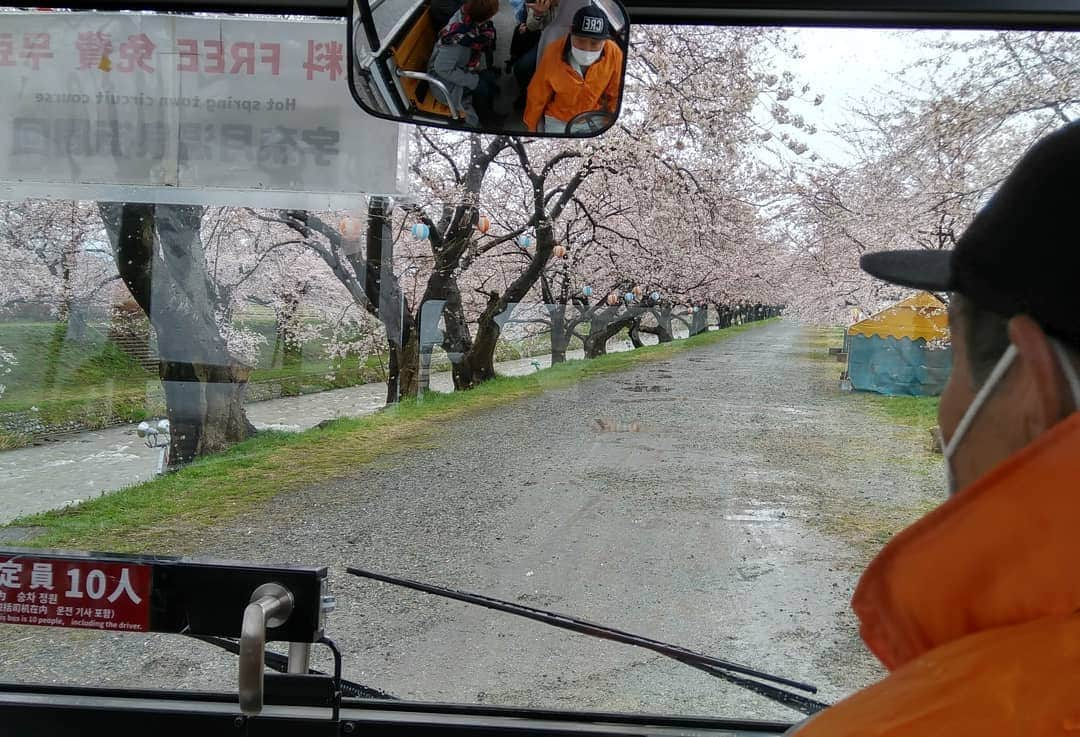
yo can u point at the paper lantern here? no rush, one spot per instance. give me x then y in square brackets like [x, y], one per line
[524, 242]
[351, 228]
[697, 310]
[560, 252]
[483, 224]
[587, 291]
[656, 296]
[613, 299]
[421, 231]
[629, 296]
[638, 291]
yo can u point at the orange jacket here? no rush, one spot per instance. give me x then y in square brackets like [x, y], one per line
[559, 91]
[974, 609]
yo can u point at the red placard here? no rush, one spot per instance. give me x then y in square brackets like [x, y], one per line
[86, 594]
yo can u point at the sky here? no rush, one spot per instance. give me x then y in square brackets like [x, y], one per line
[853, 65]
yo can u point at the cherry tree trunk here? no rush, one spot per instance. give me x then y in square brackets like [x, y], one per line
[596, 345]
[700, 323]
[664, 330]
[403, 377]
[600, 332]
[205, 405]
[560, 335]
[481, 358]
[457, 338]
[159, 254]
[385, 297]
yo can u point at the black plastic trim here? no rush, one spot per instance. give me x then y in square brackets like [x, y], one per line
[356, 708]
[1049, 14]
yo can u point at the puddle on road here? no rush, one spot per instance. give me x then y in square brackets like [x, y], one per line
[767, 516]
[642, 388]
[753, 571]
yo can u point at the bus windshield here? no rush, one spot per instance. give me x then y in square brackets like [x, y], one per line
[635, 379]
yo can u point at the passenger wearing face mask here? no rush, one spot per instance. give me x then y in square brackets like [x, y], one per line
[975, 609]
[579, 75]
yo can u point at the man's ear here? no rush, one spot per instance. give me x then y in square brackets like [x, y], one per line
[1042, 386]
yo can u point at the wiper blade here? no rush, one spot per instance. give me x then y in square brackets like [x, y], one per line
[280, 663]
[724, 669]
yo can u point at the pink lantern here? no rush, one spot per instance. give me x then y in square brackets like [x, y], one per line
[560, 252]
[484, 224]
[638, 291]
[613, 299]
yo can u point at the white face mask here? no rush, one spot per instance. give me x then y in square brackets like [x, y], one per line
[1003, 365]
[586, 58]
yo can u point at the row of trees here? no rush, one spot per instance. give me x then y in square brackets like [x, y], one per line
[927, 158]
[707, 193]
[629, 232]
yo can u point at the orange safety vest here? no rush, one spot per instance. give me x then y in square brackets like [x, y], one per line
[559, 91]
[974, 609]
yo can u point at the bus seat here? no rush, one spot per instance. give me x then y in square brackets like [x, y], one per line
[412, 54]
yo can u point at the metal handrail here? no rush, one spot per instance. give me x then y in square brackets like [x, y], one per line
[271, 604]
[435, 83]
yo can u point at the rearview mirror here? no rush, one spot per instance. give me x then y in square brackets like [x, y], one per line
[543, 68]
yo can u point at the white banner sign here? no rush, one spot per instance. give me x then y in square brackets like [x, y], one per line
[186, 110]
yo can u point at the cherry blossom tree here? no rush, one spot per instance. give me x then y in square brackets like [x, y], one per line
[54, 256]
[927, 159]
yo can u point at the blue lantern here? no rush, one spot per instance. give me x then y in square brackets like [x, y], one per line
[421, 231]
[524, 242]
[655, 296]
[629, 297]
[587, 291]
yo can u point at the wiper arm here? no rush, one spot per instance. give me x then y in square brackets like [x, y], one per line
[717, 667]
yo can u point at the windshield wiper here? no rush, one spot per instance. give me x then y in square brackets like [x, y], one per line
[740, 675]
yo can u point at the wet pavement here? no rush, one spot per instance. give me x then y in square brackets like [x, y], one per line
[86, 465]
[725, 500]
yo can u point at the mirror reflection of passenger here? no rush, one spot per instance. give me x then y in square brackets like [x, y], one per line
[526, 44]
[462, 60]
[580, 75]
[519, 10]
[441, 11]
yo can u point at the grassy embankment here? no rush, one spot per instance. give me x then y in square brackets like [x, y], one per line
[90, 383]
[159, 515]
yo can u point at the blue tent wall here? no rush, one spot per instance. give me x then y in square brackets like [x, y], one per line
[897, 366]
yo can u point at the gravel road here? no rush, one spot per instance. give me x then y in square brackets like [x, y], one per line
[725, 501]
[89, 464]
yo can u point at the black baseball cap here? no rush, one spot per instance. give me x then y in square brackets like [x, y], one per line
[1021, 253]
[591, 22]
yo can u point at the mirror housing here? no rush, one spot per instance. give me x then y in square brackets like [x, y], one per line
[553, 68]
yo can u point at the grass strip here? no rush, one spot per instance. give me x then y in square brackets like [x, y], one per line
[161, 514]
[918, 413]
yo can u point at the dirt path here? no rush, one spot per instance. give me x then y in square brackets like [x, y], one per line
[733, 521]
